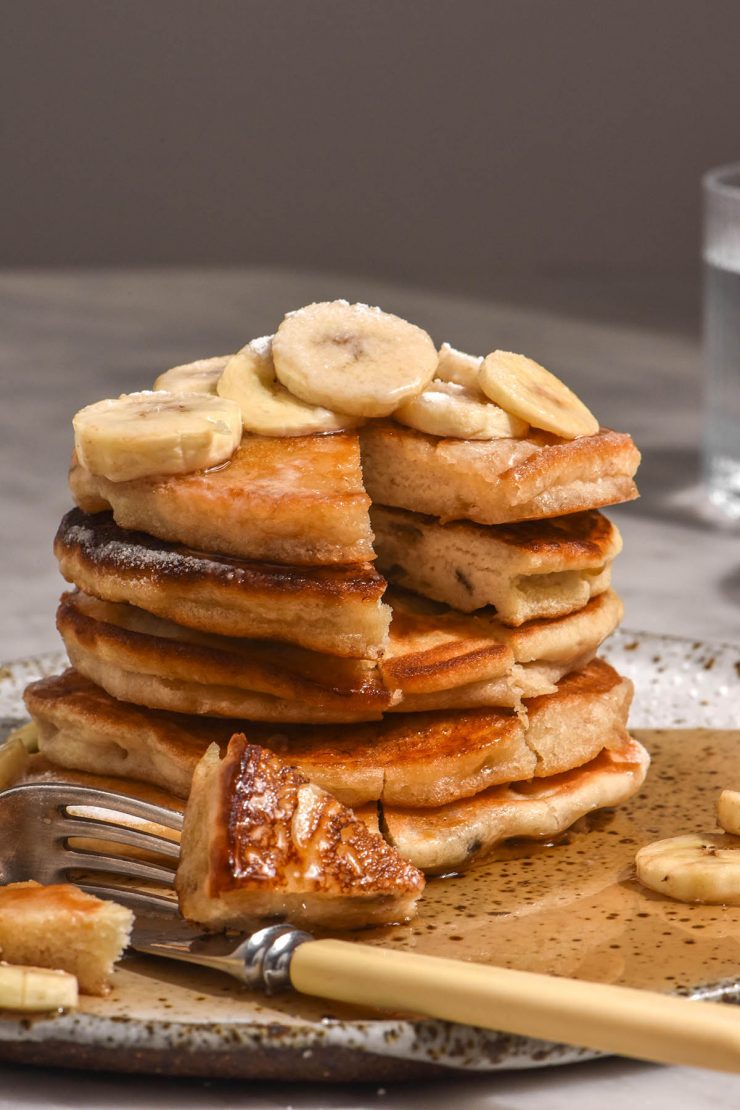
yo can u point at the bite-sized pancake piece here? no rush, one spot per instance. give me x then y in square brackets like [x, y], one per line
[299, 501]
[452, 836]
[412, 759]
[334, 609]
[529, 570]
[496, 481]
[60, 926]
[142, 658]
[260, 841]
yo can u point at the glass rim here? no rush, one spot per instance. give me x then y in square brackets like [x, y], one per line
[714, 181]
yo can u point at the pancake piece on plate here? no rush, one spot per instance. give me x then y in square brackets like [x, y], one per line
[60, 926]
[334, 609]
[260, 841]
[526, 571]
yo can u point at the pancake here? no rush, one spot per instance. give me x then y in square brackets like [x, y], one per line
[42, 769]
[496, 481]
[261, 841]
[334, 609]
[525, 571]
[138, 657]
[435, 660]
[450, 837]
[61, 926]
[296, 500]
[420, 759]
[441, 659]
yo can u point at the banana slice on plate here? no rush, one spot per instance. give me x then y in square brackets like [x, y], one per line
[36, 989]
[525, 388]
[193, 377]
[142, 435]
[452, 410]
[267, 407]
[728, 811]
[455, 366]
[693, 868]
[352, 357]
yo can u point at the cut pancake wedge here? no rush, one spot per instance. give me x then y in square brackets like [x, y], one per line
[450, 837]
[525, 571]
[334, 609]
[299, 501]
[435, 660]
[496, 481]
[261, 841]
[420, 759]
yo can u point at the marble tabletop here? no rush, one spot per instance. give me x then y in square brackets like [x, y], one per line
[70, 337]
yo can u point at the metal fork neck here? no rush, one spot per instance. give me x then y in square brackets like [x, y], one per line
[266, 957]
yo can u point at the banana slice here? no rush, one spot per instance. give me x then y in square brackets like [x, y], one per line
[13, 759]
[693, 868]
[147, 434]
[267, 407]
[28, 735]
[452, 410]
[728, 811]
[455, 366]
[525, 388]
[193, 377]
[36, 989]
[352, 357]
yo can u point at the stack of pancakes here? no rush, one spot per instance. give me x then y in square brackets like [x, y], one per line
[412, 621]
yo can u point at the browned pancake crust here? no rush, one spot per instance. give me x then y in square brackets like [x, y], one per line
[413, 759]
[334, 609]
[342, 855]
[435, 659]
[295, 500]
[280, 670]
[584, 539]
[446, 837]
[260, 841]
[97, 543]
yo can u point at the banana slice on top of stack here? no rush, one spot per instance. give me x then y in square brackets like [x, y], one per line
[330, 367]
[155, 432]
[267, 407]
[200, 376]
[352, 357]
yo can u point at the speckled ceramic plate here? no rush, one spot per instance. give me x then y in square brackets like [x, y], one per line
[570, 908]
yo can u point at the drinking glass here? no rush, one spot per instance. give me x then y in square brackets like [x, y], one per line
[722, 337]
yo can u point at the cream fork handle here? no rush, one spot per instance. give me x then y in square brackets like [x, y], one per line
[642, 1024]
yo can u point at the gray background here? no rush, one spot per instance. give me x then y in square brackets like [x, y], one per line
[460, 144]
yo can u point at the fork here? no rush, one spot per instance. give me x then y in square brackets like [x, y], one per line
[52, 821]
